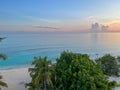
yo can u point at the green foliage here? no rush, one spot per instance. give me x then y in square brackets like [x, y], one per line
[72, 71]
[78, 72]
[118, 85]
[108, 65]
[2, 56]
[113, 84]
[2, 83]
[118, 59]
[40, 74]
[2, 38]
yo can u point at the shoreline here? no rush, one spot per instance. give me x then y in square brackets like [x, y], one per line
[15, 67]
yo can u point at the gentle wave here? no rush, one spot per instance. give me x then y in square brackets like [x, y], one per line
[21, 48]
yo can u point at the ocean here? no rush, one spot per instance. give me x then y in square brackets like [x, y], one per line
[21, 48]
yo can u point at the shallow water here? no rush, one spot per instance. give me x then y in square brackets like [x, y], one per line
[20, 48]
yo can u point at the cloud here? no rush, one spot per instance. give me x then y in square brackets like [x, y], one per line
[93, 19]
[95, 27]
[44, 27]
[104, 28]
[28, 28]
[43, 20]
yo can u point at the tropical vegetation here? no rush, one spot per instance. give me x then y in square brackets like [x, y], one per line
[2, 56]
[41, 74]
[72, 71]
[109, 65]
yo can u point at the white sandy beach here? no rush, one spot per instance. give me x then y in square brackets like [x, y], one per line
[15, 78]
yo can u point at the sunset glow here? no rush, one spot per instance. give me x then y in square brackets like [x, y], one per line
[62, 15]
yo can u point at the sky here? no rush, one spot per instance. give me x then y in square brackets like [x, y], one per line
[60, 15]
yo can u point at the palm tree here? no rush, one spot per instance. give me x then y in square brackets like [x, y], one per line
[41, 74]
[2, 83]
[2, 56]
[2, 38]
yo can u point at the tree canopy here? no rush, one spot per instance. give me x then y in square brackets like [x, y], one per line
[72, 71]
[75, 71]
[40, 74]
[109, 65]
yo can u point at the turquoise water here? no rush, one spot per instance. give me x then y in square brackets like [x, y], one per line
[20, 48]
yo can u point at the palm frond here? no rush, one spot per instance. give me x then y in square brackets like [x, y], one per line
[2, 56]
[3, 84]
[2, 38]
[0, 76]
[41, 73]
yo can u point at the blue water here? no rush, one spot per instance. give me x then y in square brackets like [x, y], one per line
[20, 48]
